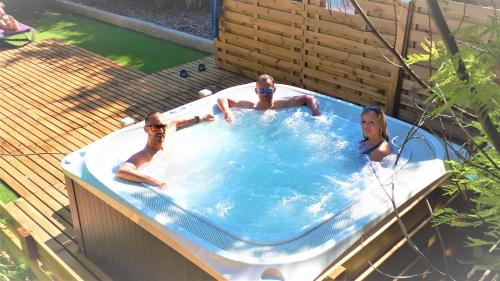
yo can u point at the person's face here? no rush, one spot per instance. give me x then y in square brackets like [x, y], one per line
[265, 90]
[156, 128]
[370, 124]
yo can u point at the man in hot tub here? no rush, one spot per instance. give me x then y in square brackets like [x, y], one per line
[157, 128]
[265, 91]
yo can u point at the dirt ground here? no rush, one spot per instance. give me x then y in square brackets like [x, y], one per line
[175, 16]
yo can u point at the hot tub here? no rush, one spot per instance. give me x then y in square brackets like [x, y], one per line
[137, 232]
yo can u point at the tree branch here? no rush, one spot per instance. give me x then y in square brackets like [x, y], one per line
[484, 119]
[451, 45]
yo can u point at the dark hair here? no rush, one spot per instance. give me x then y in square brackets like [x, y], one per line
[382, 121]
[148, 117]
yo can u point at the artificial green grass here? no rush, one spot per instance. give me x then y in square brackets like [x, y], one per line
[6, 194]
[128, 48]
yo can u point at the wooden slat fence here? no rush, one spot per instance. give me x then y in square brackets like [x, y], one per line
[304, 44]
[262, 36]
[344, 60]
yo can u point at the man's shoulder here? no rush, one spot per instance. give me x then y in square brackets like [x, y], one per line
[285, 101]
[245, 103]
[139, 158]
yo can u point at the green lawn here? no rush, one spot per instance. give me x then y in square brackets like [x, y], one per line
[128, 48]
[6, 195]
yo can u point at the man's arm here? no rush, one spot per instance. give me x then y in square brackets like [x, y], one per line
[308, 100]
[225, 104]
[128, 171]
[183, 123]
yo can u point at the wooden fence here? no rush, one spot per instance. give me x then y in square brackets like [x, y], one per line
[410, 96]
[304, 44]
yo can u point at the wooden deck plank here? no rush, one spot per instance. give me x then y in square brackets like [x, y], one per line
[91, 92]
[34, 168]
[54, 232]
[48, 165]
[31, 170]
[13, 106]
[40, 132]
[111, 92]
[64, 112]
[117, 81]
[58, 215]
[58, 98]
[50, 248]
[205, 78]
[51, 93]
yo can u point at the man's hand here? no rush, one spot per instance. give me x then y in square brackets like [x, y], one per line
[162, 186]
[228, 116]
[156, 183]
[313, 105]
[207, 117]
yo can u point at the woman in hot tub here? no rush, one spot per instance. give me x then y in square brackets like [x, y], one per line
[375, 144]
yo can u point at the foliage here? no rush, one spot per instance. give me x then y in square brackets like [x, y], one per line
[479, 175]
[12, 268]
[481, 59]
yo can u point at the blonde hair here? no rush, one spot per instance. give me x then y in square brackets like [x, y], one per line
[382, 121]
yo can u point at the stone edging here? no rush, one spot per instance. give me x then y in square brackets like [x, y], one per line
[182, 38]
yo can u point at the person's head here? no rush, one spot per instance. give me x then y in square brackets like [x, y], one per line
[373, 123]
[155, 126]
[265, 87]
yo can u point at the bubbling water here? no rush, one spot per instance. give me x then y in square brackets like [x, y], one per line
[270, 172]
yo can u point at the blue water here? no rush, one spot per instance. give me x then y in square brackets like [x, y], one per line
[271, 173]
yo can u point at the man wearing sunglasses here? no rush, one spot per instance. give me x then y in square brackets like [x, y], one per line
[157, 128]
[265, 91]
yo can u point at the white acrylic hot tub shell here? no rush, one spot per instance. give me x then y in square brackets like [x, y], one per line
[234, 263]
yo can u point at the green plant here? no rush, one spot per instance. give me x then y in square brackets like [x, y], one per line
[13, 268]
[477, 176]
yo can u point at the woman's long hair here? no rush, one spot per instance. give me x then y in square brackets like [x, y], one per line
[382, 121]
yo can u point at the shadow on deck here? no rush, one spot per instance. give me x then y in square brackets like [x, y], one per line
[56, 98]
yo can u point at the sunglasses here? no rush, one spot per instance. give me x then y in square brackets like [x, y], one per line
[268, 91]
[372, 108]
[157, 127]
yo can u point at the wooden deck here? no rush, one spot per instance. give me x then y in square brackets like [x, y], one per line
[56, 98]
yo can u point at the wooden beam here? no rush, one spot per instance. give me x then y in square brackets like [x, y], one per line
[28, 244]
[402, 36]
[384, 234]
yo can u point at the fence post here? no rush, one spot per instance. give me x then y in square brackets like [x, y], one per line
[401, 45]
[215, 13]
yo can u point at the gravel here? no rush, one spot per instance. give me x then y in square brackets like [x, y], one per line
[196, 22]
